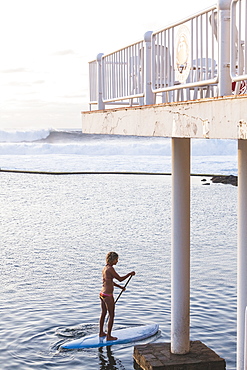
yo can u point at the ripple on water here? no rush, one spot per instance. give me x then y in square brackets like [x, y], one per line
[55, 234]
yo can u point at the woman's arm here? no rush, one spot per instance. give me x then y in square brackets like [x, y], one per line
[118, 277]
[119, 286]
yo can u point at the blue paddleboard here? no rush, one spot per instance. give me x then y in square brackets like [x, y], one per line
[128, 335]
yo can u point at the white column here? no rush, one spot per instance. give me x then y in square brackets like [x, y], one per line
[242, 250]
[245, 342]
[180, 280]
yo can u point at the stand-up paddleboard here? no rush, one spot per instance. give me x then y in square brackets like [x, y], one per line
[128, 335]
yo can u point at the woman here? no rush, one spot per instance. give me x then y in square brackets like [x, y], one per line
[106, 294]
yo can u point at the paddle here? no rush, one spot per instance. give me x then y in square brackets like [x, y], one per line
[123, 289]
[120, 294]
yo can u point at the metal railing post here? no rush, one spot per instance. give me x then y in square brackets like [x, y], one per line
[101, 104]
[233, 38]
[149, 97]
[225, 83]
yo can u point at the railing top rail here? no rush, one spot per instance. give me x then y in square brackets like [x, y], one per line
[213, 7]
[148, 69]
[123, 48]
[184, 20]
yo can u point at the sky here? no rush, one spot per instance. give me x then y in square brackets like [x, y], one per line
[46, 45]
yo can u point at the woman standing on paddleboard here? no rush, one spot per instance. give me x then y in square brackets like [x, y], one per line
[106, 294]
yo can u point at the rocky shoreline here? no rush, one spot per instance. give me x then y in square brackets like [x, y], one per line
[221, 179]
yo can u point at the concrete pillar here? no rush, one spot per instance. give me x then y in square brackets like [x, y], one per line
[245, 341]
[180, 280]
[225, 83]
[101, 104]
[242, 250]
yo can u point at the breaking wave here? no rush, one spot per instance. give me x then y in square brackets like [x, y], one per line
[50, 141]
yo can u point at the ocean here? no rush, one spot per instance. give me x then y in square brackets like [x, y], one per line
[56, 231]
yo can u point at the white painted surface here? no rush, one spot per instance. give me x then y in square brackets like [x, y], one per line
[238, 40]
[225, 84]
[245, 342]
[213, 118]
[180, 279]
[101, 104]
[242, 250]
[149, 97]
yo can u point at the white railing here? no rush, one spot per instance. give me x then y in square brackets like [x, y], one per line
[238, 41]
[122, 73]
[188, 60]
[185, 57]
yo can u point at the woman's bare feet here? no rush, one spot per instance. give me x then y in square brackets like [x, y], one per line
[109, 337]
[103, 334]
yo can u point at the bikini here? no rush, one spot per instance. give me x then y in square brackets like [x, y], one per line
[104, 295]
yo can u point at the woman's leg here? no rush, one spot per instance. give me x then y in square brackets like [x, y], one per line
[109, 301]
[102, 318]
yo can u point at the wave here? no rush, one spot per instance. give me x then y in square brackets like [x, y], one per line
[66, 142]
[15, 136]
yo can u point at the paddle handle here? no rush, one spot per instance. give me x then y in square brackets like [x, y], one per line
[123, 289]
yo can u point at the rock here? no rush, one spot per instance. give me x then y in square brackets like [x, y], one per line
[232, 180]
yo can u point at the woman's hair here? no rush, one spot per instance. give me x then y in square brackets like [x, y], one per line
[111, 256]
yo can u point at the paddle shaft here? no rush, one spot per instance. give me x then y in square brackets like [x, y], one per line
[123, 289]
[120, 294]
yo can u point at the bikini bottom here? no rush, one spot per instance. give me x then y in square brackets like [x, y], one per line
[104, 295]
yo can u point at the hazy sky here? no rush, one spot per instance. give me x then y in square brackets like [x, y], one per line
[46, 45]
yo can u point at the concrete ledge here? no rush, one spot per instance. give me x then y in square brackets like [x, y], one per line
[158, 356]
[211, 118]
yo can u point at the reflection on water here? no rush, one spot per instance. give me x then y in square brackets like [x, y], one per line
[107, 361]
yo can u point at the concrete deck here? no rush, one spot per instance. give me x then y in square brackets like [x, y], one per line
[213, 118]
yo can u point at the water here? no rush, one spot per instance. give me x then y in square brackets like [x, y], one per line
[56, 231]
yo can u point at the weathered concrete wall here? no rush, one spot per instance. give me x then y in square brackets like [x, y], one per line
[214, 118]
